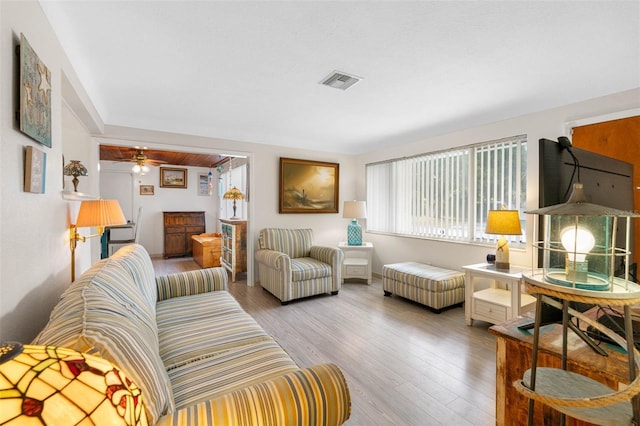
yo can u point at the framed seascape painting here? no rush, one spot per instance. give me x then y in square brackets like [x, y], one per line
[308, 186]
[173, 178]
[35, 95]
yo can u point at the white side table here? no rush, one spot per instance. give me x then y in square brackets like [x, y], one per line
[357, 261]
[495, 304]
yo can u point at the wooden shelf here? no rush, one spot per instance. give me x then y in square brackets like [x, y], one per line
[77, 196]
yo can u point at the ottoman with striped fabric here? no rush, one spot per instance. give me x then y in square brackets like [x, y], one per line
[435, 287]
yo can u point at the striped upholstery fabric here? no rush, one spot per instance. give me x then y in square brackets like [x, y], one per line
[426, 284]
[135, 259]
[292, 242]
[190, 283]
[119, 325]
[228, 371]
[291, 267]
[65, 324]
[311, 396]
[306, 268]
[186, 335]
[194, 350]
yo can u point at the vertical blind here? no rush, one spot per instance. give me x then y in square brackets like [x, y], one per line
[447, 194]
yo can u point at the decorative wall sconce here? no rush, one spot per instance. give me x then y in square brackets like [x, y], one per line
[75, 168]
[93, 213]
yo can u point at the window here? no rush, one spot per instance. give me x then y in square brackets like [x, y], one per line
[446, 195]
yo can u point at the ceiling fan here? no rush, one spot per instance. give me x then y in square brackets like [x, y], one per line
[143, 162]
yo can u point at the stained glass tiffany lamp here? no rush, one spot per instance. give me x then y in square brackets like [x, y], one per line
[233, 194]
[47, 385]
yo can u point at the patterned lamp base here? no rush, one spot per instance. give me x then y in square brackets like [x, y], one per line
[354, 233]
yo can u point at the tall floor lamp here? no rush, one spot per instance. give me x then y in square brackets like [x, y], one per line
[93, 213]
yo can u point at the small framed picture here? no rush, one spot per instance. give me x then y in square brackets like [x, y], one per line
[173, 178]
[146, 189]
[35, 170]
[203, 184]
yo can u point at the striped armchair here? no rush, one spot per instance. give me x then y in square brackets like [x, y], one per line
[291, 267]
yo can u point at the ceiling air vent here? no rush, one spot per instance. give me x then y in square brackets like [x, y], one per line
[340, 80]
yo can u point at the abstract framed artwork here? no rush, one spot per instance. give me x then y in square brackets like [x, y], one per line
[35, 168]
[173, 177]
[308, 186]
[146, 190]
[35, 95]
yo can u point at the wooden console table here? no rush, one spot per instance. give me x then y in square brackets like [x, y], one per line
[513, 358]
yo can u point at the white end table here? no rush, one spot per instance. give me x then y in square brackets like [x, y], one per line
[357, 261]
[495, 304]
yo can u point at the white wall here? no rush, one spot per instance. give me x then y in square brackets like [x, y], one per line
[546, 124]
[34, 228]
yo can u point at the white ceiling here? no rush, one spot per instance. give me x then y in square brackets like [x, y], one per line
[249, 70]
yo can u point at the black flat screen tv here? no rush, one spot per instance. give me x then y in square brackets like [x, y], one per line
[607, 181]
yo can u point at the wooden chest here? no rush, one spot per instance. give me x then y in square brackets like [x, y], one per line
[207, 249]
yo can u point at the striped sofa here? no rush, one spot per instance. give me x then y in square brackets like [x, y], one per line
[291, 267]
[197, 356]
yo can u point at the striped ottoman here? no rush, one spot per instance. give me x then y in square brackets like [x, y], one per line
[437, 288]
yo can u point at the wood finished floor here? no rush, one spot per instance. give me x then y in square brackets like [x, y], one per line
[404, 364]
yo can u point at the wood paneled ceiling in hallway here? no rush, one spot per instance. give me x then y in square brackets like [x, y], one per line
[174, 158]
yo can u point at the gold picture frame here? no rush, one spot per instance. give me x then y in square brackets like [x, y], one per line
[308, 186]
[146, 190]
[173, 177]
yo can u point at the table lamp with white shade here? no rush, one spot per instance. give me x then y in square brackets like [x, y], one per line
[354, 210]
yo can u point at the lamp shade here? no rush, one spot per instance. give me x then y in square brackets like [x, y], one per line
[58, 386]
[75, 168]
[355, 210]
[503, 222]
[233, 194]
[95, 213]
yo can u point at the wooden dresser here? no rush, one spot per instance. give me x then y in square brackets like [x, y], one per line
[234, 246]
[179, 227]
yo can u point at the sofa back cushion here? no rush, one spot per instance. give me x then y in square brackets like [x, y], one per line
[136, 261]
[105, 313]
[293, 242]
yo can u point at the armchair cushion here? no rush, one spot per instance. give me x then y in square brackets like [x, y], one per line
[306, 268]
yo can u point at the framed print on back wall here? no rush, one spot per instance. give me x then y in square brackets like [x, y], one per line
[308, 186]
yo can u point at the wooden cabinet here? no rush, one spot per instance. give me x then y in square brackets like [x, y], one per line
[179, 227]
[234, 246]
